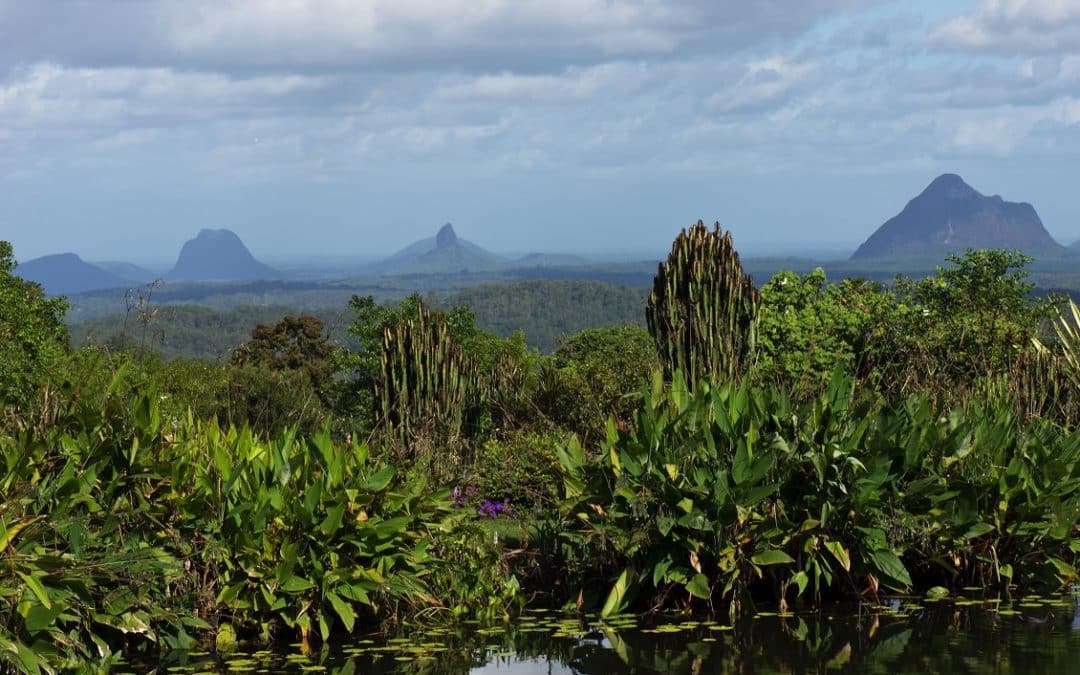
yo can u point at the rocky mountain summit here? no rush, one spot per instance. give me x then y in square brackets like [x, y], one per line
[950, 216]
[445, 253]
[218, 255]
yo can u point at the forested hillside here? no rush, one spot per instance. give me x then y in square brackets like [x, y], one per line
[545, 310]
[189, 330]
[549, 310]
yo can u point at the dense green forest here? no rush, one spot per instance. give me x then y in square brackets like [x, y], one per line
[546, 311]
[796, 442]
[192, 331]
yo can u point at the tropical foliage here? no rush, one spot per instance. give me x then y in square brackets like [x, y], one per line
[816, 440]
[32, 332]
[125, 529]
[714, 493]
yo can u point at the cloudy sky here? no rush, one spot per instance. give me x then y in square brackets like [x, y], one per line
[355, 126]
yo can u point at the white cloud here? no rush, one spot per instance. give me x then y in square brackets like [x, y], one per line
[295, 87]
[482, 35]
[51, 95]
[766, 84]
[574, 85]
[1015, 26]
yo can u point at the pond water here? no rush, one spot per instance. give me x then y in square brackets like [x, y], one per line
[957, 635]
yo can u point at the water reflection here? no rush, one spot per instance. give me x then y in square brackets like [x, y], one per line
[1030, 635]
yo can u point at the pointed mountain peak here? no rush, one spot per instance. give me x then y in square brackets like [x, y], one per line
[445, 253]
[446, 236]
[950, 216]
[950, 185]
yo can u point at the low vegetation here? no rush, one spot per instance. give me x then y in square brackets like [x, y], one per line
[794, 443]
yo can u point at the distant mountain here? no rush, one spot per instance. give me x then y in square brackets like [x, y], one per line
[67, 273]
[950, 216]
[127, 271]
[548, 260]
[445, 253]
[218, 255]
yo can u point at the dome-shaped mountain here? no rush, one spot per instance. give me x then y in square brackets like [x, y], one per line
[67, 274]
[950, 216]
[218, 255]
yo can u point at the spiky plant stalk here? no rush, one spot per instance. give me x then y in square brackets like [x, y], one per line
[427, 383]
[1067, 327]
[702, 311]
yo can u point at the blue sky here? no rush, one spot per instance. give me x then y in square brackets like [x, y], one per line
[352, 127]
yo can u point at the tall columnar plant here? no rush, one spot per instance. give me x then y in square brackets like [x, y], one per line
[702, 311]
[426, 382]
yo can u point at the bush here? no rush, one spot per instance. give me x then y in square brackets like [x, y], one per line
[521, 467]
[595, 375]
[33, 336]
[127, 530]
[808, 328]
[713, 491]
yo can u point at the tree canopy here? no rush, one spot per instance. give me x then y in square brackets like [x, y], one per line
[32, 331]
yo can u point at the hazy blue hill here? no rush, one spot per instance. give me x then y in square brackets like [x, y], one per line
[950, 216]
[548, 260]
[218, 255]
[67, 273]
[128, 271]
[445, 253]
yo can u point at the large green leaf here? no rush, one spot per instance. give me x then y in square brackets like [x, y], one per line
[887, 562]
[772, 557]
[35, 585]
[332, 522]
[740, 465]
[698, 587]
[619, 596]
[379, 481]
[296, 584]
[840, 553]
[8, 534]
[344, 611]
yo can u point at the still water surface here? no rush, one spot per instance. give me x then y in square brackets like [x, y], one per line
[958, 635]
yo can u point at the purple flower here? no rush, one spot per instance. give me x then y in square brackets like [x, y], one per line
[460, 498]
[495, 509]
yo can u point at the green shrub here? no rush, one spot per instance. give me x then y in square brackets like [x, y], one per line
[125, 529]
[713, 491]
[808, 327]
[33, 336]
[595, 375]
[521, 467]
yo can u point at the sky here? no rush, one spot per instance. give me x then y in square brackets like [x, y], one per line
[353, 127]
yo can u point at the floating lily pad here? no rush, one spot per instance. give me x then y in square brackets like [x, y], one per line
[937, 592]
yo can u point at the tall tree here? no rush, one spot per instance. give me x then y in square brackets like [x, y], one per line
[294, 343]
[32, 332]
